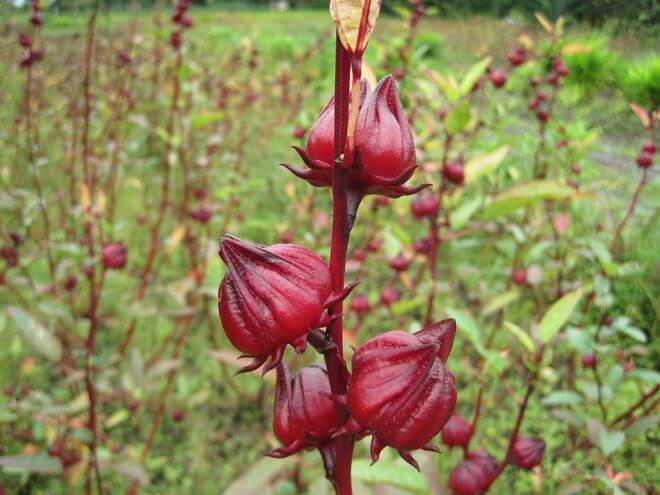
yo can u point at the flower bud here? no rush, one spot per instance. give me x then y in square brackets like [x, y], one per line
[400, 390]
[457, 432]
[649, 147]
[453, 171]
[304, 415]
[114, 255]
[517, 56]
[271, 296]
[498, 78]
[528, 452]
[474, 473]
[519, 276]
[425, 204]
[384, 149]
[360, 304]
[644, 159]
[399, 263]
[389, 296]
[589, 360]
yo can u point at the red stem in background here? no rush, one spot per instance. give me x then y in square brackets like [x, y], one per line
[334, 358]
[631, 208]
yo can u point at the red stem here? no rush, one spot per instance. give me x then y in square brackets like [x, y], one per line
[631, 208]
[334, 358]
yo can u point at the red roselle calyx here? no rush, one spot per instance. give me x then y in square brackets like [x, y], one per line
[385, 152]
[399, 263]
[305, 414]
[644, 159]
[474, 474]
[389, 296]
[114, 255]
[424, 204]
[457, 432]
[517, 56]
[519, 276]
[453, 171]
[649, 147]
[360, 304]
[528, 452]
[498, 78]
[422, 246]
[400, 390]
[589, 360]
[272, 296]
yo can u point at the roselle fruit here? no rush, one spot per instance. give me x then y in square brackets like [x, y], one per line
[649, 147]
[399, 263]
[589, 360]
[400, 390]
[360, 304]
[457, 432]
[528, 452]
[453, 171]
[519, 276]
[474, 474]
[644, 159]
[114, 255]
[389, 296]
[201, 214]
[304, 414]
[560, 67]
[270, 297]
[498, 78]
[424, 204]
[385, 151]
[422, 246]
[517, 56]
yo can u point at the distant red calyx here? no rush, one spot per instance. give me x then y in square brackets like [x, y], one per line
[528, 452]
[644, 159]
[399, 263]
[114, 255]
[385, 151]
[517, 56]
[271, 296]
[519, 276]
[400, 390]
[457, 432]
[360, 304]
[474, 474]
[424, 204]
[304, 415]
[498, 78]
[453, 171]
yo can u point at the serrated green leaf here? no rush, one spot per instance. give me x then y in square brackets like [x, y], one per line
[526, 193]
[558, 315]
[521, 335]
[500, 301]
[458, 117]
[35, 334]
[473, 74]
[483, 164]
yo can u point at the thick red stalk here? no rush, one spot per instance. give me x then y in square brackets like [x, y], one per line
[334, 358]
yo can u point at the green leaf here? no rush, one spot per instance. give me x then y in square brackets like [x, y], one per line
[408, 305]
[473, 74]
[643, 425]
[466, 325]
[562, 398]
[458, 118]
[481, 165]
[391, 474]
[460, 216]
[34, 333]
[610, 441]
[650, 376]
[521, 335]
[525, 193]
[558, 315]
[500, 301]
[41, 464]
[198, 120]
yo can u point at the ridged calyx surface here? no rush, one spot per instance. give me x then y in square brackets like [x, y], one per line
[528, 452]
[385, 151]
[400, 390]
[457, 432]
[271, 296]
[474, 474]
[304, 415]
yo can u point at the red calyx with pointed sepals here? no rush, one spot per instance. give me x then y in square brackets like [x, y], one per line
[528, 452]
[519, 276]
[389, 296]
[360, 304]
[399, 263]
[498, 78]
[644, 159]
[384, 148]
[305, 414]
[400, 390]
[272, 296]
[589, 360]
[457, 432]
[453, 171]
[649, 147]
[424, 204]
[474, 473]
[517, 56]
[114, 255]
